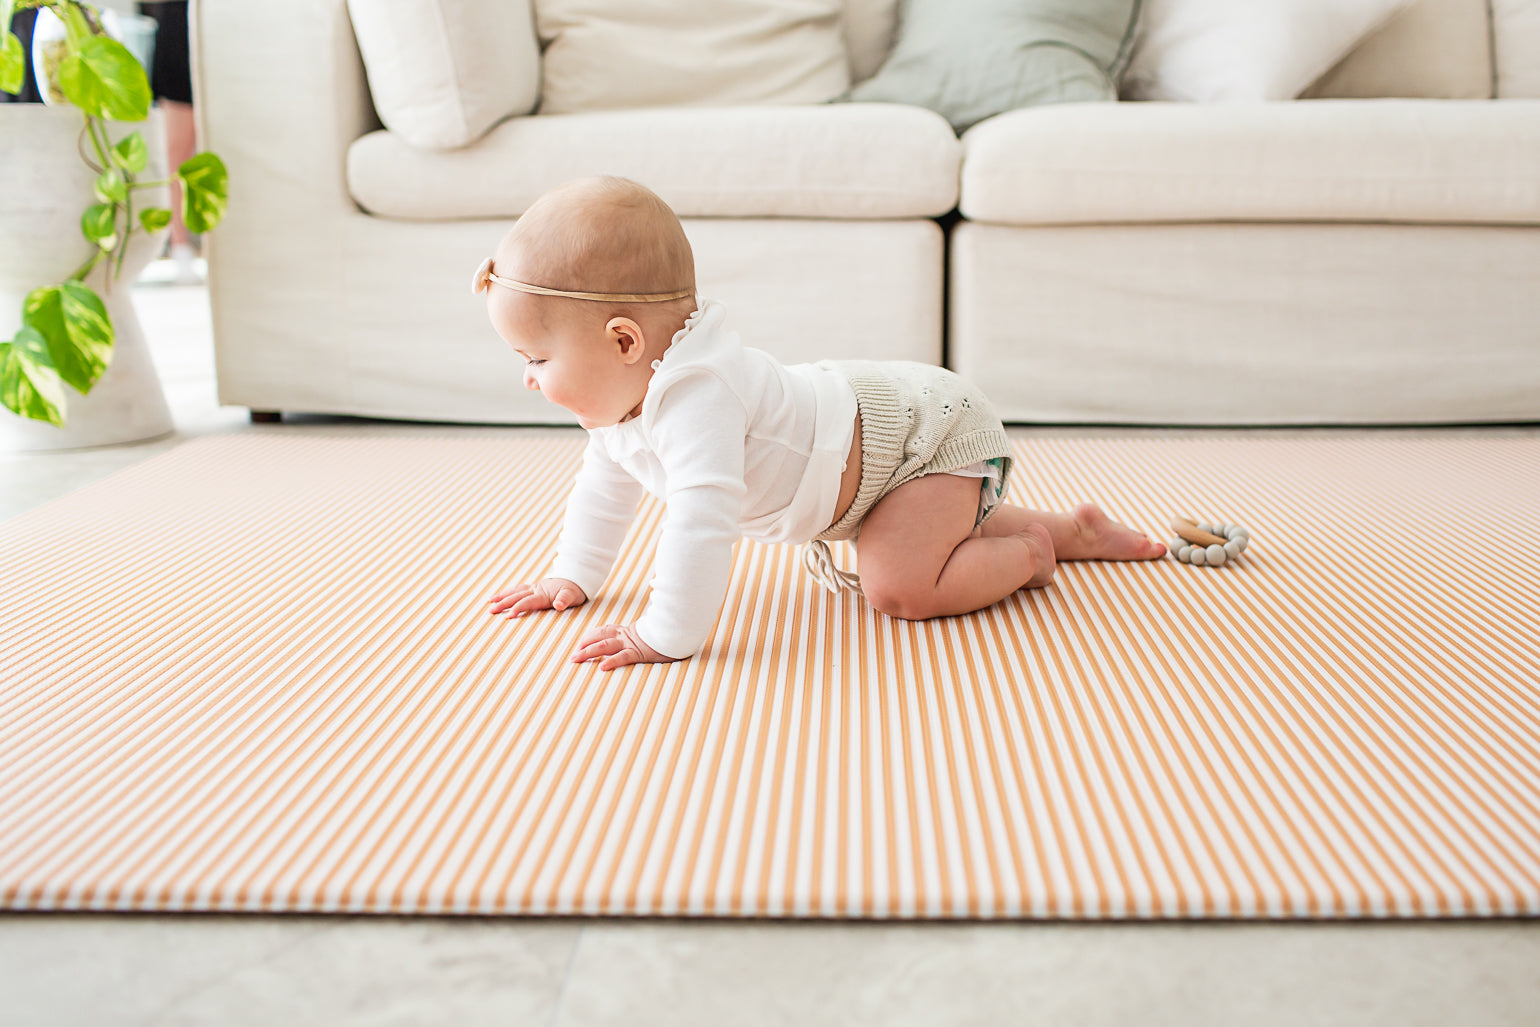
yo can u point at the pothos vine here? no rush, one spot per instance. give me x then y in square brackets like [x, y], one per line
[66, 335]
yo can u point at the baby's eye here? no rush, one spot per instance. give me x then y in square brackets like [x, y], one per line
[533, 363]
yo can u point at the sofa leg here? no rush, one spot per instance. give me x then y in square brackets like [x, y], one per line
[266, 417]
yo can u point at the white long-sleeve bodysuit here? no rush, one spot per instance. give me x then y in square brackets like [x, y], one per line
[735, 444]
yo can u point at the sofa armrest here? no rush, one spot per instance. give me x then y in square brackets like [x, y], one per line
[281, 94]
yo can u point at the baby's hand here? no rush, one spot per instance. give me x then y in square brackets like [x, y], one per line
[616, 645]
[546, 594]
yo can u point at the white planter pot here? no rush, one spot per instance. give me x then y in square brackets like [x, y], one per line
[44, 189]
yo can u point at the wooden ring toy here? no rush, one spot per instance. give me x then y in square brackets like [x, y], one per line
[1207, 545]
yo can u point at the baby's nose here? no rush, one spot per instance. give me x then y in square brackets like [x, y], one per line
[529, 380]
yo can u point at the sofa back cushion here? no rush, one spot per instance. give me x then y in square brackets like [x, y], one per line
[442, 72]
[613, 54]
[1435, 49]
[1516, 41]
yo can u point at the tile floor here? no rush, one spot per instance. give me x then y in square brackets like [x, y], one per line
[88, 969]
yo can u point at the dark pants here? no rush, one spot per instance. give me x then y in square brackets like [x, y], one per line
[171, 71]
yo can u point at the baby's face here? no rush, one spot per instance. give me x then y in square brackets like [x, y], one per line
[572, 362]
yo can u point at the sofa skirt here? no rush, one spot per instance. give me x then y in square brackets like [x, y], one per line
[1249, 324]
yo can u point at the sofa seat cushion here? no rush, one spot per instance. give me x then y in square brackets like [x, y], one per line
[838, 161]
[1325, 160]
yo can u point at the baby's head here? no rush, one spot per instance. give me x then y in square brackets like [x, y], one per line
[589, 287]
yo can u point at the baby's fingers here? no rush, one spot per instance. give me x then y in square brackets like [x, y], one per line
[508, 597]
[567, 596]
[531, 603]
[624, 658]
[599, 644]
[511, 592]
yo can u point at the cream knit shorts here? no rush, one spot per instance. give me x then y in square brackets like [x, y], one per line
[918, 419]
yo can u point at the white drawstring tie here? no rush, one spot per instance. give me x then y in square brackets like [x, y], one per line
[820, 564]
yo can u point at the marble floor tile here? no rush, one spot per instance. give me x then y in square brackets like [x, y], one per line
[1097, 975]
[67, 969]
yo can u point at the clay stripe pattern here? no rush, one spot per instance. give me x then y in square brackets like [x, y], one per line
[256, 673]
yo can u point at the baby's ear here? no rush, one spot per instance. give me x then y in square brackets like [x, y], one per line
[627, 334]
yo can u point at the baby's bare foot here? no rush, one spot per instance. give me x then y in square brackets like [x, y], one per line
[1040, 541]
[1102, 538]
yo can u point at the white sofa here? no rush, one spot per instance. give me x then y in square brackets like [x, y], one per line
[1314, 261]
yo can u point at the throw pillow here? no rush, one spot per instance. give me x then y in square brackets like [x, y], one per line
[442, 72]
[870, 27]
[971, 59]
[1221, 51]
[1434, 49]
[612, 54]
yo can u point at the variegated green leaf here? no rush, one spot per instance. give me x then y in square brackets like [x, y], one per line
[13, 63]
[99, 224]
[110, 187]
[29, 385]
[74, 322]
[131, 154]
[106, 81]
[205, 188]
[154, 218]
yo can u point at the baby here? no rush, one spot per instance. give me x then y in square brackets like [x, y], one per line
[595, 288]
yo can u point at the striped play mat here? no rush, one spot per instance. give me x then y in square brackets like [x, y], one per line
[257, 673]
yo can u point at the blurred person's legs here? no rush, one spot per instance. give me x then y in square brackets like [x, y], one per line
[171, 81]
[181, 143]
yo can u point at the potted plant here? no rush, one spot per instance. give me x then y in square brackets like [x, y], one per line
[67, 331]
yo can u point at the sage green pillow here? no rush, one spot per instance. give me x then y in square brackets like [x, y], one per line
[968, 60]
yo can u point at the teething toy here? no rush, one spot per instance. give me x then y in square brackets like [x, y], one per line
[1207, 545]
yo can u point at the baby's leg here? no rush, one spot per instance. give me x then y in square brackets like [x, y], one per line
[919, 557]
[1085, 533]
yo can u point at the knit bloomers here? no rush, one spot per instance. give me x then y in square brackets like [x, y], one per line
[916, 419]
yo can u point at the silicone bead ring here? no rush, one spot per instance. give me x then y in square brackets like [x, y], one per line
[1207, 545]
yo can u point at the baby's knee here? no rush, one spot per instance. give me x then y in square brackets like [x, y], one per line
[899, 599]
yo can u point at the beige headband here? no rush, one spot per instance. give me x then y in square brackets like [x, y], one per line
[485, 276]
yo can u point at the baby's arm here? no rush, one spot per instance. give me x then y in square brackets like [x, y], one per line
[599, 512]
[698, 434]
